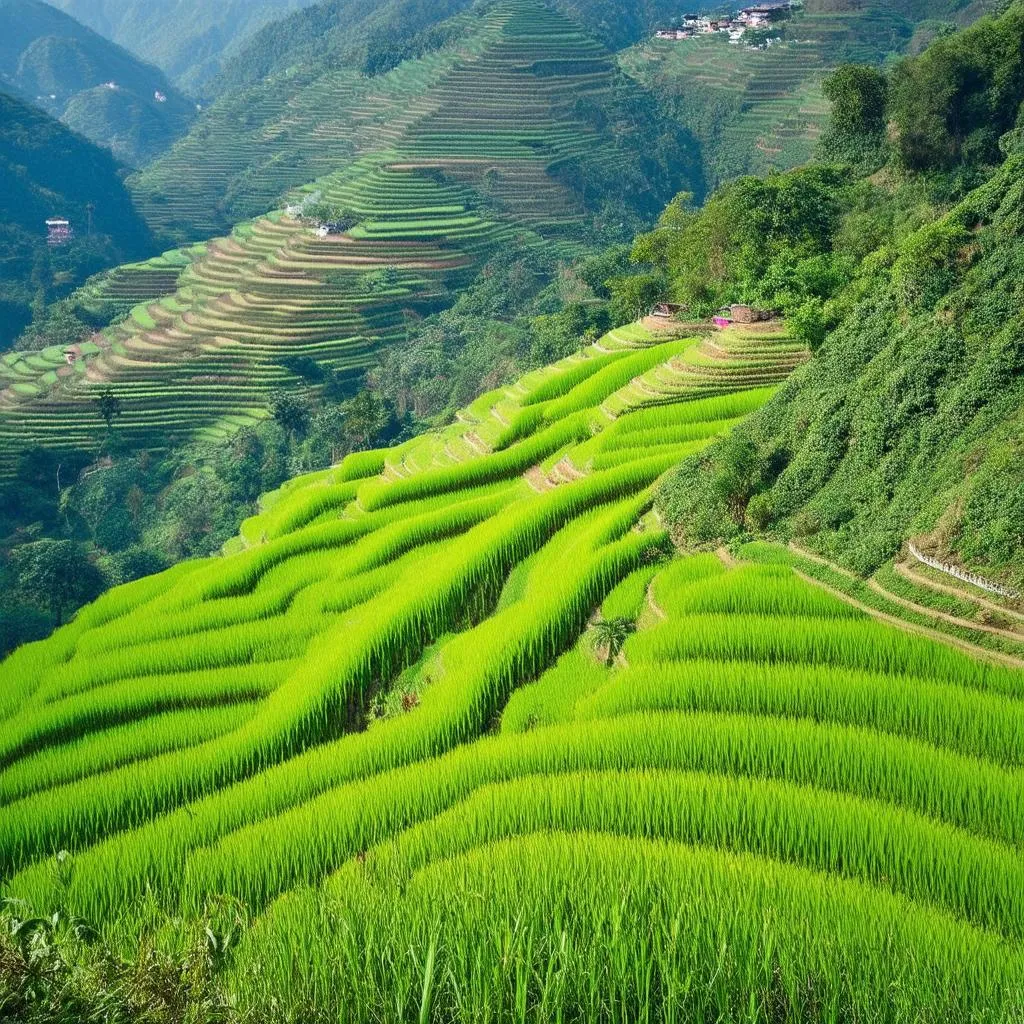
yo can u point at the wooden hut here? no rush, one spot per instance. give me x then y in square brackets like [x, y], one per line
[668, 310]
[741, 314]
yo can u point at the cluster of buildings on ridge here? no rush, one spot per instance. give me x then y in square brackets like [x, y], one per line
[756, 18]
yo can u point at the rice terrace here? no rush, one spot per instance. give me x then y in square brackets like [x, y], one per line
[494, 536]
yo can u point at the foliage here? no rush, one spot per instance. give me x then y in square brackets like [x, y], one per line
[856, 131]
[56, 970]
[56, 576]
[57, 63]
[951, 105]
[610, 636]
[108, 405]
[882, 437]
[47, 171]
[763, 241]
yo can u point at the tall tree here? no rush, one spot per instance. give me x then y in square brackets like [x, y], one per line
[856, 128]
[56, 575]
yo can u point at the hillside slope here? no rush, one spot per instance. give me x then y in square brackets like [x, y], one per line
[383, 731]
[906, 427]
[376, 34]
[188, 39]
[466, 173]
[754, 111]
[48, 171]
[445, 104]
[97, 88]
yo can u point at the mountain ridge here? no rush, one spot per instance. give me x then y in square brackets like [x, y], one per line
[98, 88]
[188, 39]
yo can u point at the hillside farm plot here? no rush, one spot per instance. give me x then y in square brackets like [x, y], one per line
[756, 111]
[385, 727]
[499, 109]
[243, 312]
[470, 163]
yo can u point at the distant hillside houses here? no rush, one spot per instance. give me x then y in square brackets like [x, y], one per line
[761, 16]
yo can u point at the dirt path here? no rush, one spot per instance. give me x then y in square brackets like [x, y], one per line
[810, 555]
[476, 443]
[655, 608]
[926, 581]
[909, 627]
[726, 558]
[537, 480]
[954, 620]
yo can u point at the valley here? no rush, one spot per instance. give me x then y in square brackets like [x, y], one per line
[96, 88]
[530, 529]
[460, 175]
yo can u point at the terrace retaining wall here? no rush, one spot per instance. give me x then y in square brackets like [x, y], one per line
[962, 574]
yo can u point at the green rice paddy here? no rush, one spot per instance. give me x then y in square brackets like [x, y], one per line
[382, 727]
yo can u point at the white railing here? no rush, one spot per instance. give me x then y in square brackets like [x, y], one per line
[962, 574]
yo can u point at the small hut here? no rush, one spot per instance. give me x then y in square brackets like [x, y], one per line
[668, 310]
[58, 231]
[741, 314]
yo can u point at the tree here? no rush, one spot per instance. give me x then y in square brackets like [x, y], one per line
[633, 297]
[738, 475]
[291, 412]
[109, 407]
[807, 323]
[856, 128]
[366, 417]
[610, 636]
[56, 575]
[61, 327]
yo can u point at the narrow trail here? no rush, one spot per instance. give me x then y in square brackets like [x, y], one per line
[726, 558]
[811, 556]
[656, 610]
[909, 627]
[925, 581]
[954, 620]
[919, 609]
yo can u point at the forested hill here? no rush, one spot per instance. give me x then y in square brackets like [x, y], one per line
[94, 86]
[906, 267]
[189, 39]
[48, 171]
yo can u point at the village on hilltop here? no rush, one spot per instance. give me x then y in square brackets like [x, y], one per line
[736, 26]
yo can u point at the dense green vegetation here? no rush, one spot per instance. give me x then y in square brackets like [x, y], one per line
[93, 86]
[909, 278]
[478, 204]
[754, 111]
[402, 710]
[188, 39]
[451, 732]
[47, 171]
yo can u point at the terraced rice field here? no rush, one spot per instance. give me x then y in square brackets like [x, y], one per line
[213, 329]
[497, 109]
[382, 726]
[115, 293]
[757, 111]
[203, 360]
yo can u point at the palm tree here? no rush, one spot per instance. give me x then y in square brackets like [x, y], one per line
[610, 635]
